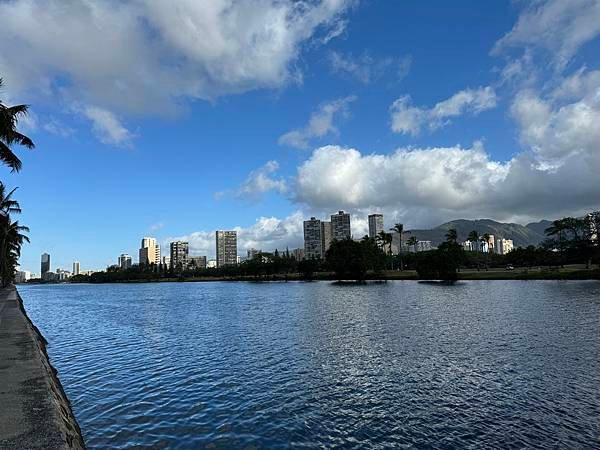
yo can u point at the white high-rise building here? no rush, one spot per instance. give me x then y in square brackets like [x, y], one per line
[503, 246]
[149, 251]
[375, 225]
[226, 246]
[76, 268]
[340, 226]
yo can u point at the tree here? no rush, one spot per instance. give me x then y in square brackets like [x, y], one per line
[451, 236]
[487, 239]
[11, 240]
[558, 229]
[412, 242]
[346, 259]
[399, 228]
[473, 238]
[9, 136]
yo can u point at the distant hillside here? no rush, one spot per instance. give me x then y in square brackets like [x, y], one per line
[522, 236]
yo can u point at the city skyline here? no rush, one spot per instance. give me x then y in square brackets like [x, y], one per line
[354, 115]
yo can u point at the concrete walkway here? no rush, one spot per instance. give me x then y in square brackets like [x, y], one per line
[34, 411]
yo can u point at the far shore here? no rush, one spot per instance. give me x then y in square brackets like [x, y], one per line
[572, 272]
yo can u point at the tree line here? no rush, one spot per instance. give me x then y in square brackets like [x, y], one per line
[12, 234]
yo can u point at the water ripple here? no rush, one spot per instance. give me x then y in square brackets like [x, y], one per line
[312, 365]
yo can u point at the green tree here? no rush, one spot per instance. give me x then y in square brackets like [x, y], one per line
[452, 236]
[11, 240]
[412, 242]
[558, 229]
[473, 238]
[9, 136]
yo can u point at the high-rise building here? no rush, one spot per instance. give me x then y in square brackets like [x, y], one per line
[326, 236]
[45, 264]
[196, 262]
[375, 225]
[226, 246]
[298, 254]
[340, 225]
[424, 246]
[125, 261]
[76, 268]
[503, 246]
[179, 254]
[313, 240]
[149, 251]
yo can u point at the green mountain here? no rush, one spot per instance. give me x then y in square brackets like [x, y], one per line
[522, 235]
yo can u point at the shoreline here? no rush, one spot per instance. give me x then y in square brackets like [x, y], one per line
[464, 275]
[37, 412]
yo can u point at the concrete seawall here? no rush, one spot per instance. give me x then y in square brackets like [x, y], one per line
[34, 410]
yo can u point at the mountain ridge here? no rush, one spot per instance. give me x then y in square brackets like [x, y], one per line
[522, 235]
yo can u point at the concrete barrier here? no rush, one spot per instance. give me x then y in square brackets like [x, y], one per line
[34, 410]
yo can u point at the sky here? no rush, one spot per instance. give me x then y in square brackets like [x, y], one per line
[174, 119]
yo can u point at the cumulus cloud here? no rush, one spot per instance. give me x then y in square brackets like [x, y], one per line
[425, 186]
[557, 26]
[142, 56]
[410, 119]
[267, 233]
[146, 57]
[107, 127]
[320, 124]
[366, 68]
[259, 182]
[563, 125]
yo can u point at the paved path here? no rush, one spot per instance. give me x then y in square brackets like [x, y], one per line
[34, 412]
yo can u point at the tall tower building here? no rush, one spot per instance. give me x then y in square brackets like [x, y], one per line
[149, 251]
[76, 268]
[179, 254]
[226, 246]
[375, 225]
[326, 236]
[313, 240]
[45, 264]
[124, 261]
[340, 225]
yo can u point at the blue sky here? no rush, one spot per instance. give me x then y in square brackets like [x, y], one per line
[175, 119]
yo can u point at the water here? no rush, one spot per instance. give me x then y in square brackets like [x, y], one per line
[279, 365]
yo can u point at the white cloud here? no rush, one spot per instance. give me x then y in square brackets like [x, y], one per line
[423, 187]
[107, 127]
[558, 26]
[564, 125]
[366, 68]
[156, 226]
[320, 123]
[259, 182]
[267, 233]
[409, 119]
[144, 56]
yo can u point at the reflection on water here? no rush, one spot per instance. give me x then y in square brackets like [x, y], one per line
[273, 365]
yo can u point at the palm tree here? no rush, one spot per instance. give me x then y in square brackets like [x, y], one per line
[384, 240]
[473, 238]
[9, 136]
[399, 228]
[451, 236]
[7, 204]
[11, 239]
[558, 228]
[412, 242]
